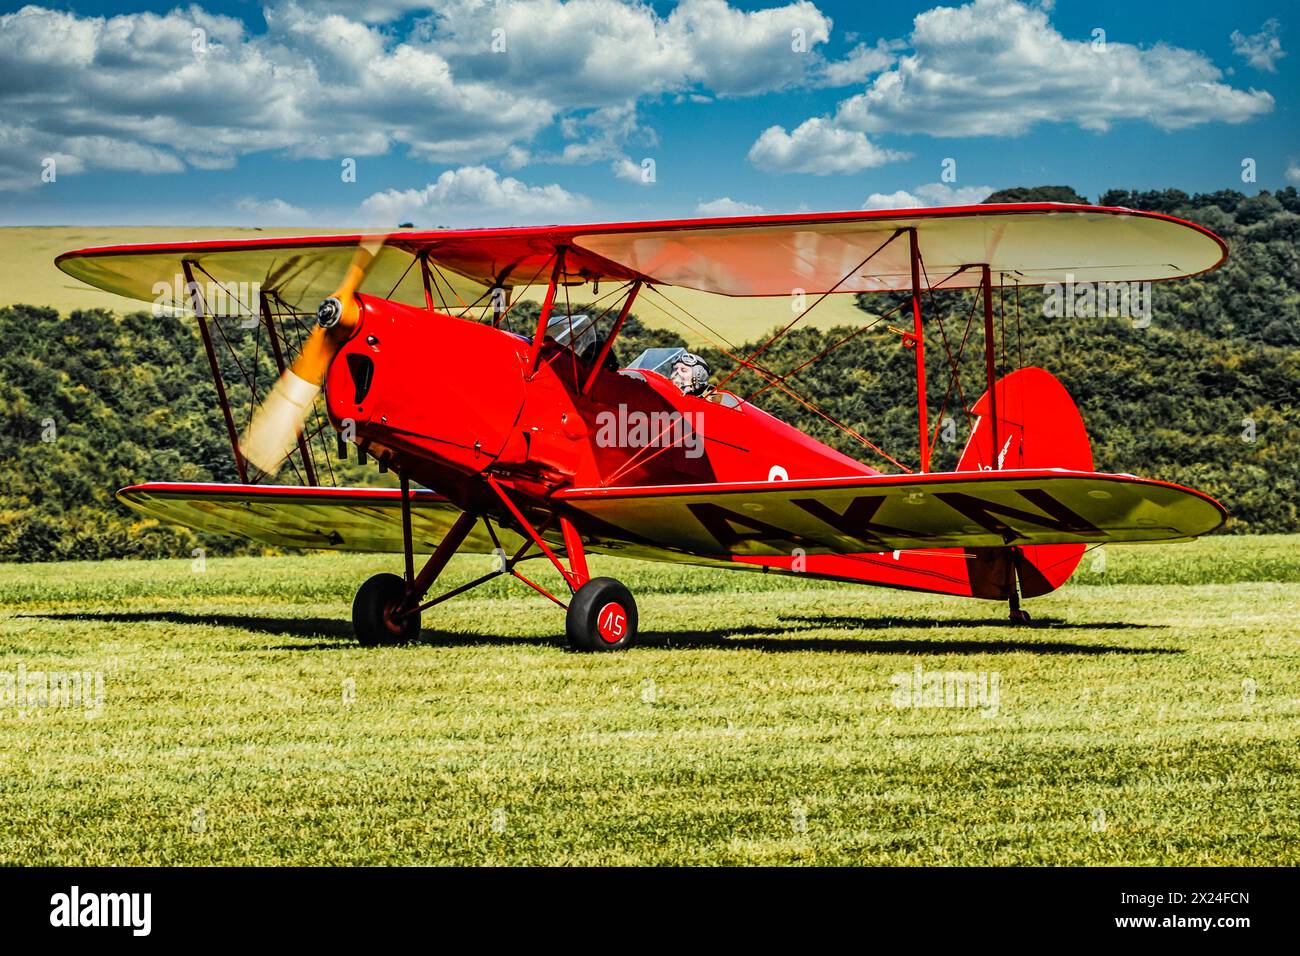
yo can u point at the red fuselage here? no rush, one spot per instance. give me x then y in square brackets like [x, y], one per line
[449, 403]
[446, 400]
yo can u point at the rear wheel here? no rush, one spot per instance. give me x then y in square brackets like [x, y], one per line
[602, 616]
[375, 612]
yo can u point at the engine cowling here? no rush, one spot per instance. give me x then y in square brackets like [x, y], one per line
[443, 388]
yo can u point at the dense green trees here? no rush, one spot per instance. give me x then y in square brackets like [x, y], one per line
[1037, 194]
[92, 402]
[1205, 395]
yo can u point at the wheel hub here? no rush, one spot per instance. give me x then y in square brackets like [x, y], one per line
[393, 617]
[611, 622]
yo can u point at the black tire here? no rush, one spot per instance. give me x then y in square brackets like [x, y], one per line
[372, 612]
[602, 616]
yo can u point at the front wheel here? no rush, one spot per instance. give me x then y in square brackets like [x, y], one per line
[602, 616]
[375, 612]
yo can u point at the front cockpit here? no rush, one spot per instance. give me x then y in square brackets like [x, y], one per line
[685, 369]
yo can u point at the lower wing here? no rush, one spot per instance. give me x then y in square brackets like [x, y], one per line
[878, 513]
[965, 533]
[340, 519]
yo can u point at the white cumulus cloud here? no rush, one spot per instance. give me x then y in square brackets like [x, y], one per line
[631, 171]
[726, 206]
[151, 92]
[1261, 50]
[931, 194]
[817, 146]
[158, 93]
[472, 194]
[592, 52]
[271, 212]
[998, 67]
[862, 62]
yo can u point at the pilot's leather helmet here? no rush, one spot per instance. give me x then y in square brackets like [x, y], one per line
[693, 378]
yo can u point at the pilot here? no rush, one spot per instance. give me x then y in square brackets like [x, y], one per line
[691, 374]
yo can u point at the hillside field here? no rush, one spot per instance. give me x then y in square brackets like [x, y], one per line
[1150, 717]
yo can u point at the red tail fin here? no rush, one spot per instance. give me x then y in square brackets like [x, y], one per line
[1038, 426]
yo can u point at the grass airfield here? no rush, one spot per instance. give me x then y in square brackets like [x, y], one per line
[1151, 716]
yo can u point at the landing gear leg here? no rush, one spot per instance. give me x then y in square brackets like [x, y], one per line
[386, 609]
[602, 615]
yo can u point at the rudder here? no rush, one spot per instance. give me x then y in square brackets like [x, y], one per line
[1039, 426]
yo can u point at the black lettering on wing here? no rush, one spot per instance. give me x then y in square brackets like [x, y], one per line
[995, 518]
[731, 528]
[855, 522]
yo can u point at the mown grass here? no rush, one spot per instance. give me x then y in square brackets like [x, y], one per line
[1150, 717]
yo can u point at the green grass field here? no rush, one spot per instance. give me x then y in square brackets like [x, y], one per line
[1150, 717]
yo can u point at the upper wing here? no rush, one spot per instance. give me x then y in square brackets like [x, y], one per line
[298, 271]
[342, 519]
[1028, 243]
[898, 512]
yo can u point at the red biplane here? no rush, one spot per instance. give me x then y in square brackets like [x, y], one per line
[523, 448]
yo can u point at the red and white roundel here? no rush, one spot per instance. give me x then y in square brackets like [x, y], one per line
[611, 622]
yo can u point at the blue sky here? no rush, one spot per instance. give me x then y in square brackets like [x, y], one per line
[252, 128]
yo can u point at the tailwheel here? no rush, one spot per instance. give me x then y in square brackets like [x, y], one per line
[375, 612]
[602, 616]
[1018, 617]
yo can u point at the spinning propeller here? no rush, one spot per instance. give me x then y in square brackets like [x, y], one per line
[277, 423]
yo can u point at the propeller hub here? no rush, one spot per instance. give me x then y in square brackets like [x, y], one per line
[329, 313]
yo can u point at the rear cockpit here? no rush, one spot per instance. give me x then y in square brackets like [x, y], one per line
[664, 360]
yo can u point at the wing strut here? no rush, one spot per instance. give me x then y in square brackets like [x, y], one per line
[613, 334]
[544, 316]
[990, 361]
[196, 299]
[918, 343]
